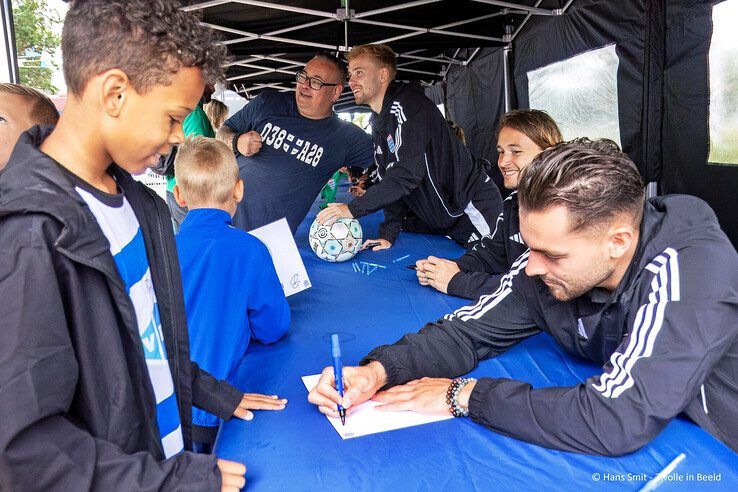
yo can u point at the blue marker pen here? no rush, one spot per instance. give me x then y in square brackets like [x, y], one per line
[338, 371]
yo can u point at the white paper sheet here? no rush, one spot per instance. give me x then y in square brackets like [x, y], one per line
[287, 262]
[364, 420]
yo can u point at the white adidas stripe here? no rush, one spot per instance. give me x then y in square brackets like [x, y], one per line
[644, 317]
[487, 302]
[477, 219]
[396, 109]
[398, 141]
[648, 323]
[500, 217]
[430, 178]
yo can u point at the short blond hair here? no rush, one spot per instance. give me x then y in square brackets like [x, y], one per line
[382, 53]
[217, 112]
[41, 110]
[205, 170]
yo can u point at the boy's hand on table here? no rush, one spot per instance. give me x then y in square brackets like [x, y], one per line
[255, 401]
[232, 475]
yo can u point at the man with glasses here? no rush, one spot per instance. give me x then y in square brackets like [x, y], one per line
[288, 147]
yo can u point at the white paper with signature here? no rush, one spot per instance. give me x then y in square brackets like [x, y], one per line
[364, 420]
[287, 262]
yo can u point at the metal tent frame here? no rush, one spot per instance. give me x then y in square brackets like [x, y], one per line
[274, 66]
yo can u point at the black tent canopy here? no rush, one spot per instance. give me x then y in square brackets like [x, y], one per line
[476, 56]
[271, 40]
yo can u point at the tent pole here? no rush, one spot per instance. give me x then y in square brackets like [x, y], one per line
[392, 8]
[347, 16]
[506, 62]
[9, 68]
[520, 27]
[262, 72]
[471, 57]
[517, 6]
[506, 52]
[287, 8]
[249, 36]
[439, 59]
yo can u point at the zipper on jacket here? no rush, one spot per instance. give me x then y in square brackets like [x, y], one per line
[704, 401]
[170, 286]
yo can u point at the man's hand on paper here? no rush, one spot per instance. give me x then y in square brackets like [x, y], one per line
[255, 401]
[427, 396]
[360, 384]
[436, 272]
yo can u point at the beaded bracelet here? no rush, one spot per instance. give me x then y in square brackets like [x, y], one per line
[234, 144]
[452, 395]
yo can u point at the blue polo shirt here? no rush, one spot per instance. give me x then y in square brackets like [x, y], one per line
[232, 294]
[297, 157]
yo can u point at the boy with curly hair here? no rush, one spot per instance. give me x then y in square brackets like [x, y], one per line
[96, 382]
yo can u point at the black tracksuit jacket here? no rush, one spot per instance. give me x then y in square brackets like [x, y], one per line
[422, 166]
[667, 338]
[483, 266]
[77, 408]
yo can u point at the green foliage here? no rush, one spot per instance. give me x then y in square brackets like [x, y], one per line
[34, 36]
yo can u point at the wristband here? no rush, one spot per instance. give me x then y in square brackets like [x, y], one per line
[234, 144]
[452, 395]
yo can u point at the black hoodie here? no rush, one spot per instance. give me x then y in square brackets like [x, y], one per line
[76, 404]
[482, 267]
[667, 338]
[422, 166]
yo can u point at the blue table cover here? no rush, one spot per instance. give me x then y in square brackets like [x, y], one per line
[298, 449]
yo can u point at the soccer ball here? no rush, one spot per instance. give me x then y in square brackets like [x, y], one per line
[339, 241]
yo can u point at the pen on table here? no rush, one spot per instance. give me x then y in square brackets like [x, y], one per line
[661, 476]
[371, 245]
[338, 371]
[412, 267]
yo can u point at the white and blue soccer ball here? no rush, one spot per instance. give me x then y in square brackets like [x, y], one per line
[339, 241]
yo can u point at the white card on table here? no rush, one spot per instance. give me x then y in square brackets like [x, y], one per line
[364, 420]
[278, 239]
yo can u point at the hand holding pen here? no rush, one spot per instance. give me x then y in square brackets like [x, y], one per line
[338, 372]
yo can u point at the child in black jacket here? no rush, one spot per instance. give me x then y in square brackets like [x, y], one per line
[96, 382]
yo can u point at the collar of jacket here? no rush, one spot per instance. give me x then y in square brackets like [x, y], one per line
[393, 90]
[33, 183]
[206, 218]
[644, 253]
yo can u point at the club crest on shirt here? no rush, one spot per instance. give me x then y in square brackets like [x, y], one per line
[391, 143]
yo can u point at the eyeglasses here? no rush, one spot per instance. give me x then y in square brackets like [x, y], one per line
[314, 82]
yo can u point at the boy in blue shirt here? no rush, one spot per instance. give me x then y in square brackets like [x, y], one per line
[232, 292]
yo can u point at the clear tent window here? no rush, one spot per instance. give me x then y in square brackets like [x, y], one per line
[723, 62]
[580, 93]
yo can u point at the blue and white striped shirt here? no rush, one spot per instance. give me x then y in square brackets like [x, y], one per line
[120, 226]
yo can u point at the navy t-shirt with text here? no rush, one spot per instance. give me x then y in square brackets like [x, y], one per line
[297, 157]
